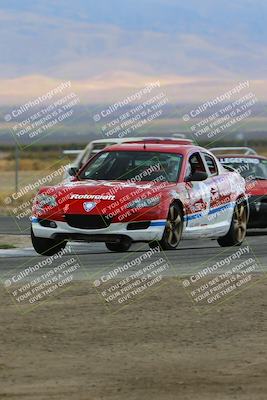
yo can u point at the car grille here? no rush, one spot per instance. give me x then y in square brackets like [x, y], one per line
[88, 221]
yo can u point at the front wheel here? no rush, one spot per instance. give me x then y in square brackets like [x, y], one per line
[173, 229]
[238, 228]
[46, 247]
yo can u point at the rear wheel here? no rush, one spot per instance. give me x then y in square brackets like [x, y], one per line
[173, 229]
[238, 228]
[120, 247]
[46, 247]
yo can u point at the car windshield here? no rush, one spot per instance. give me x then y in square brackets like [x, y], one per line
[249, 168]
[134, 166]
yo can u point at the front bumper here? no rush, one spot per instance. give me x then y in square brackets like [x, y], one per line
[258, 212]
[112, 233]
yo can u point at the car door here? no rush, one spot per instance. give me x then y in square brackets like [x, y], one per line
[222, 204]
[214, 184]
[201, 197]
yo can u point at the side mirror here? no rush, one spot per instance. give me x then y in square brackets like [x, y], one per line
[197, 177]
[72, 171]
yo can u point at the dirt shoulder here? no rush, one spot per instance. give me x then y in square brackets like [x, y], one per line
[19, 241]
[158, 348]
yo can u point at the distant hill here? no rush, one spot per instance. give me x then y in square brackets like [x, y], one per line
[81, 128]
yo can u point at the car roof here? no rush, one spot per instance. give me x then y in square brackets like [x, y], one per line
[155, 147]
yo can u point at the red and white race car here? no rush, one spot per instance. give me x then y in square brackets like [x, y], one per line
[150, 191]
[254, 169]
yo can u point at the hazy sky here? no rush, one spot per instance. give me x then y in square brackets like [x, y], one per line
[195, 46]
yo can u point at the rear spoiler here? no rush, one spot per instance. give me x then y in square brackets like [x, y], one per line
[163, 141]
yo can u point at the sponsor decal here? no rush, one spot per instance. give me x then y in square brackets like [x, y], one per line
[76, 196]
[239, 160]
[88, 206]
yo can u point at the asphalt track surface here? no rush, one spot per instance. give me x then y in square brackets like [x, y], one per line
[94, 258]
[11, 226]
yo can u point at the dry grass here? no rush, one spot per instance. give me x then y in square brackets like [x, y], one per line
[262, 152]
[26, 164]
[6, 246]
[31, 170]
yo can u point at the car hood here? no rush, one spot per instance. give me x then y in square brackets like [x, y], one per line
[77, 197]
[108, 188]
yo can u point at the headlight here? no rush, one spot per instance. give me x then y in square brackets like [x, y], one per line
[142, 203]
[45, 200]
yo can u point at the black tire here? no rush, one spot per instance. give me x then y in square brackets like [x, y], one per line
[46, 247]
[120, 247]
[173, 229]
[154, 244]
[238, 228]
